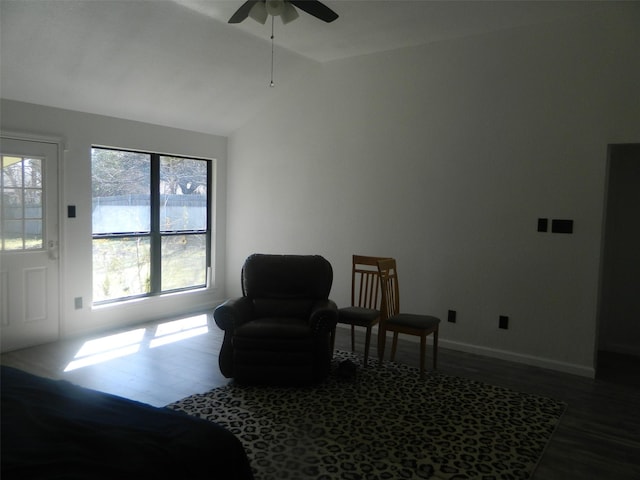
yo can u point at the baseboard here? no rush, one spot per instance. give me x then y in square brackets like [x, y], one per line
[564, 367]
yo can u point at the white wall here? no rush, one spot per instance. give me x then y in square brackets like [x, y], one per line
[444, 156]
[79, 131]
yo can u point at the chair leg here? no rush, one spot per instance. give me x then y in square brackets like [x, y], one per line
[367, 344]
[423, 351]
[353, 338]
[394, 346]
[382, 341]
[435, 349]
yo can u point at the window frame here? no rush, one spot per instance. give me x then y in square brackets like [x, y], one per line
[156, 233]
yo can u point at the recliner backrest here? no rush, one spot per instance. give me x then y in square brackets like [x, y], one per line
[286, 285]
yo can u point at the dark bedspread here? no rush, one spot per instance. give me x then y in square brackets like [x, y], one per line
[54, 430]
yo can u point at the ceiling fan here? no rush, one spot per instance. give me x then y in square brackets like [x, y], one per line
[259, 10]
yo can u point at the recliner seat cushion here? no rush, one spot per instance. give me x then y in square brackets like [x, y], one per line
[274, 335]
[274, 327]
[270, 307]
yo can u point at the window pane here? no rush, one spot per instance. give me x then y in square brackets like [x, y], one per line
[121, 267]
[183, 190]
[120, 183]
[184, 261]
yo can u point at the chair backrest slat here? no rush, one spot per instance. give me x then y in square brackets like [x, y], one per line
[390, 288]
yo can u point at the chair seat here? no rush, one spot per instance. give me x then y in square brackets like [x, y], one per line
[362, 317]
[406, 323]
[413, 321]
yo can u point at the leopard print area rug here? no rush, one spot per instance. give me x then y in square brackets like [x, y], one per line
[385, 423]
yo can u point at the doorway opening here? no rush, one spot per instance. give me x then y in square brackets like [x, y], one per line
[619, 311]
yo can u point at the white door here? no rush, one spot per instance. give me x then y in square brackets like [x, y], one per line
[29, 290]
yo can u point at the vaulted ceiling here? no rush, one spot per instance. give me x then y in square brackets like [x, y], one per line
[179, 63]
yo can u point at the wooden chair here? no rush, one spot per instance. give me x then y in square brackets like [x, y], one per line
[393, 320]
[365, 299]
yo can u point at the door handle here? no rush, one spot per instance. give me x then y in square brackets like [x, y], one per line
[52, 249]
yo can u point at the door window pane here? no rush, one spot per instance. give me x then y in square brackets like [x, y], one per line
[32, 203]
[32, 234]
[21, 195]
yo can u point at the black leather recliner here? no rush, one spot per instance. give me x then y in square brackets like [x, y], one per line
[278, 332]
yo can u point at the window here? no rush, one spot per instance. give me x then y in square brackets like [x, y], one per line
[151, 223]
[21, 194]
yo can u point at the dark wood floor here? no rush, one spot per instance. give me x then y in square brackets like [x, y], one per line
[598, 437]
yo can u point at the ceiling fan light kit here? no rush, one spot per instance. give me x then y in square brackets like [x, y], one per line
[260, 10]
[276, 8]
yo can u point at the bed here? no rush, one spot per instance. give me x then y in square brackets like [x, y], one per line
[53, 429]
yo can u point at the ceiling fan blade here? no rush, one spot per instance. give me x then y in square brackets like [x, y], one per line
[315, 8]
[243, 12]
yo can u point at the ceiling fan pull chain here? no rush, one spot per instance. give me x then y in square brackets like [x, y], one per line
[272, 21]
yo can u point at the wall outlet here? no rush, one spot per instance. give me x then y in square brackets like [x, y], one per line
[503, 322]
[561, 226]
[543, 224]
[451, 316]
[77, 303]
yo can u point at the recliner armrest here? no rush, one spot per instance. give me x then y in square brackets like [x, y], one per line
[324, 316]
[233, 313]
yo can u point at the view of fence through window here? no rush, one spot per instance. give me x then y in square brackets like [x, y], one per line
[21, 194]
[150, 222]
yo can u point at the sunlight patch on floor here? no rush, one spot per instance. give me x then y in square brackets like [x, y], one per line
[177, 330]
[107, 348]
